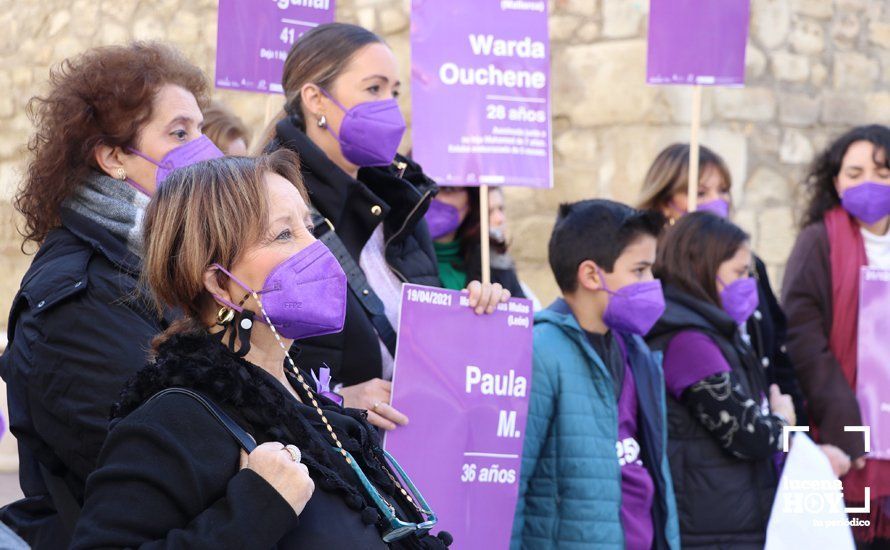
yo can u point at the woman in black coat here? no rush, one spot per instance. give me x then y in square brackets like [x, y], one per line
[172, 473]
[76, 329]
[340, 83]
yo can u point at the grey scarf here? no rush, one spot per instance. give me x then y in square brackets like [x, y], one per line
[114, 205]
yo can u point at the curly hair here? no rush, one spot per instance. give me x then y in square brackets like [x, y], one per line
[101, 97]
[820, 180]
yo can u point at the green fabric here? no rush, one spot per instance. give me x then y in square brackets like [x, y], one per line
[451, 268]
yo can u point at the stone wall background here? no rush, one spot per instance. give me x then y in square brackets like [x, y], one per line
[814, 68]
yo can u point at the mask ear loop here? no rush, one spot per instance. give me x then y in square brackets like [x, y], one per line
[338, 104]
[603, 281]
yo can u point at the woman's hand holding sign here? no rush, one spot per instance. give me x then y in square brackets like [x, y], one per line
[374, 396]
[485, 297]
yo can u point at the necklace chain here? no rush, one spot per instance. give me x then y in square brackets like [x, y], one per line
[309, 392]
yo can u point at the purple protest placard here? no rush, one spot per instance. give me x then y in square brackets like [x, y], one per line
[697, 42]
[254, 37]
[480, 89]
[463, 381]
[873, 369]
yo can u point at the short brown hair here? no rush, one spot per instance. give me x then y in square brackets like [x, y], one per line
[223, 126]
[207, 213]
[669, 174]
[102, 96]
[691, 251]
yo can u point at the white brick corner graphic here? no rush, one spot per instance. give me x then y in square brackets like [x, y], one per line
[866, 434]
[786, 433]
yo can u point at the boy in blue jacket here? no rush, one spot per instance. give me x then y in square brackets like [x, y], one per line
[597, 392]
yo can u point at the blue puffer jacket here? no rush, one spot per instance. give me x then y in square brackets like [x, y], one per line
[570, 485]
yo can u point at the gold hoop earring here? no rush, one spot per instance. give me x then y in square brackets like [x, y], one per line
[322, 122]
[120, 173]
[224, 316]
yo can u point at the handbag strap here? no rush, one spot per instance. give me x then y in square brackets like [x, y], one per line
[66, 504]
[244, 439]
[356, 280]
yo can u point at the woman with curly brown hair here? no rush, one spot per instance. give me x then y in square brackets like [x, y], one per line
[114, 123]
[845, 227]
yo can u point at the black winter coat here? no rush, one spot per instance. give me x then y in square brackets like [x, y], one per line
[768, 329]
[169, 474]
[77, 332]
[722, 501]
[356, 208]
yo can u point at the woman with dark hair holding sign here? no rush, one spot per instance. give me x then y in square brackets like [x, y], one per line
[846, 227]
[340, 83]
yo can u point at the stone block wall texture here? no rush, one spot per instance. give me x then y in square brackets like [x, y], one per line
[814, 68]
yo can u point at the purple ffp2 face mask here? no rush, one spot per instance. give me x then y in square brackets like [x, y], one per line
[303, 296]
[718, 207]
[740, 298]
[370, 132]
[868, 201]
[634, 308]
[185, 155]
[442, 218]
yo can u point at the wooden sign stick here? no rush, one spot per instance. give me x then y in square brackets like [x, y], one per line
[483, 234]
[692, 192]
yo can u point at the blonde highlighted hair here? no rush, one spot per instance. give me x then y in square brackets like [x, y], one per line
[206, 213]
[669, 174]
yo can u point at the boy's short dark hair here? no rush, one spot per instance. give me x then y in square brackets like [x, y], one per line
[597, 230]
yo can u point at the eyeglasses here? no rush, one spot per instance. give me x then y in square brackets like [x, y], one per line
[397, 529]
